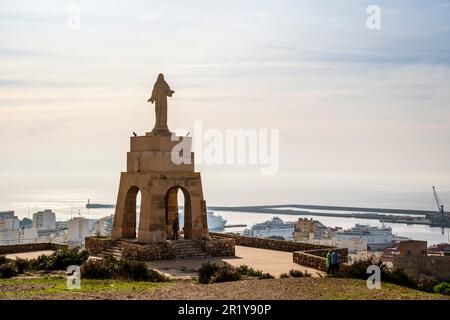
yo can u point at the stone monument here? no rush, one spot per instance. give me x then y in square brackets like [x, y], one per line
[151, 171]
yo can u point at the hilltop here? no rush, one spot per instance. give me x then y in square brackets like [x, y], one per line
[271, 289]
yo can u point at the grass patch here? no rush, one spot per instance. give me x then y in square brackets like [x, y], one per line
[27, 288]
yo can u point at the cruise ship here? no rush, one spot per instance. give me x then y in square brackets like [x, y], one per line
[377, 238]
[274, 228]
[214, 222]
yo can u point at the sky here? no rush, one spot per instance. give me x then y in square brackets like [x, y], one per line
[363, 115]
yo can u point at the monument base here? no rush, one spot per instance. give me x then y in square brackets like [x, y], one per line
[164, 250]
[159, 206]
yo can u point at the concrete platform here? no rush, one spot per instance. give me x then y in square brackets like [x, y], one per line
[270, 261]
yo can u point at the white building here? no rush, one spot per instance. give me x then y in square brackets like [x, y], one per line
[10, 224]
[353, 245]
[30, 235]
[79, 228]
[44, 220]
[9, 237]
[9, 230]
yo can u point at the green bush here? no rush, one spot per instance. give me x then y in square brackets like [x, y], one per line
[111, 268]
[250, 272]
[42, 262]
[60, 259]
[358, 270]
[64, 258]
[442, 288]
[206, 272]
[299, 274]
[224, 274]
[284, 275]
[212, 273]
[3, 260]
[22, 265]
[398, 276]
[266, 275]
[427, 285]
[7, 270]
[134, 270]
[97, 269]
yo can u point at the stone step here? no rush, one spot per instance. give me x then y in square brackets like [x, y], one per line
[116, 247]
[118, 257]
[193, 257]
[188, 252]
[187, 247]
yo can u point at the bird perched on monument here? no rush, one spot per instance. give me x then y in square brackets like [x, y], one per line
[134, 134]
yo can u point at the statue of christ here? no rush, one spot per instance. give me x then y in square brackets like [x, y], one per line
[160, 92]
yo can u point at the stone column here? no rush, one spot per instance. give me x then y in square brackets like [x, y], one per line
[125, 214]
[153, 219]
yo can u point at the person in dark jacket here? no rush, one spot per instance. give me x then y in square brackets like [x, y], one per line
[335, 260]
[176, 228]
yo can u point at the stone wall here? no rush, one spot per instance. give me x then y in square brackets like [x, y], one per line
[96, 245]
[309, 260]
[424, 266]
[219, 247]
[163, 250]
[317, 258]
[148, 251]
[265, 243]
[30, 247]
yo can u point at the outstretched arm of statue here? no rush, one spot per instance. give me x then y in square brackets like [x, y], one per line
[152, 98]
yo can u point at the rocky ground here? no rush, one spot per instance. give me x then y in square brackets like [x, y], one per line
[278, 289]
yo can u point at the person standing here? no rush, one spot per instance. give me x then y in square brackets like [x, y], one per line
[328, 262]
[334, 261]
[176, 228]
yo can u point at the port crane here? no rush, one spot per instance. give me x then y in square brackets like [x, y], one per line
[440, 208]
[438, 203]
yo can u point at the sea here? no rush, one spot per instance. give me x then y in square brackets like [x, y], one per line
[65, 208]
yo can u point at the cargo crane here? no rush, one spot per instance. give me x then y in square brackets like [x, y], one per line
[440, 206]
[438, 203]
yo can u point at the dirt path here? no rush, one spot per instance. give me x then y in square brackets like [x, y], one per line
[270, 261]
[28, 255]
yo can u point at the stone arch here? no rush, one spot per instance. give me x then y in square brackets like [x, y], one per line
[129, 218]
[172, 212]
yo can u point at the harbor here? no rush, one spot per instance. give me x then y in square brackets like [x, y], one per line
[403, 216]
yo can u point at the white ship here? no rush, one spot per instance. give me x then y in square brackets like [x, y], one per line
[214, 222]
[377, 238]
[274, 228]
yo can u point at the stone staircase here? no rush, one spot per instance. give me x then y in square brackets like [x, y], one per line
[114, 251]
[184, 249]
[188, 249]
